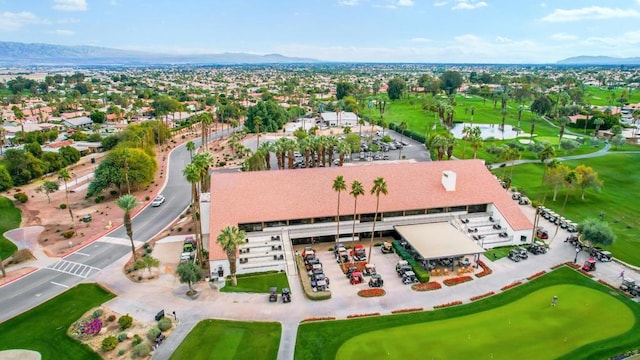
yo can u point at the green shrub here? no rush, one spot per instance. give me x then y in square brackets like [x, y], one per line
[137, 339]
[421, 273]
[139, 265]
[122, 337]
[99, 199]
[111, 318]
[21, 197]
[141, 350]
[121, 352]
[97, 313]
[109, 343]
[164, 324]
[63, 206]
[68, 234]
[125, 321]
[153, 333]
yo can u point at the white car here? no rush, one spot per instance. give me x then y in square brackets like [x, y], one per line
[159, 200]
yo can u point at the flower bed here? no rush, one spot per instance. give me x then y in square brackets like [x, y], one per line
[400, 311]
[353, 316]
[453, 303]
[513, 284]
[319, 319]
[367, 293]
[432, 285]
[457, 280]
[539, 273]
[485, 269]
[359, 264]
[478, 297]
[557, 266]
[572, 265]
[585, 273]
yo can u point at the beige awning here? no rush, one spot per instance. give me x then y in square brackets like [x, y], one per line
[438, 240]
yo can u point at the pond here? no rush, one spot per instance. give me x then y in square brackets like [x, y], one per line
[487, 131]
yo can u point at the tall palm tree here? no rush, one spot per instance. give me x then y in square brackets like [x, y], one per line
[257, 121]
[476, 140]
[356, 190]
[63, 175]
[266, 148]
[379, 187]
[344, 149]
[229, 240]
[598, 122]
[466, 135]
[191, 146]
[192, 174]
[339, 185]
[504, 114]
[402, 127]
[563, 123]
[127, 202]
[205, 121]
[439, 143]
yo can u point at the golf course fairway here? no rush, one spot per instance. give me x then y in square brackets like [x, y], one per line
[528, 328]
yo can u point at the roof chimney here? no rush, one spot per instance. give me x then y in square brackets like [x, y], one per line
[449, 180]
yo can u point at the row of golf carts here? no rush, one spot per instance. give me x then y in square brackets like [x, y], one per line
[319, 281]
[521, 253]
[629, 286]
[273, 294]
[557, 219]
[595, 252]
[357, 255]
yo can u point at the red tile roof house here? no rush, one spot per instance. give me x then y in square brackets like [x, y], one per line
[279, 205]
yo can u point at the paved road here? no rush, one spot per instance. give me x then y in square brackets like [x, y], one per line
[32, 290]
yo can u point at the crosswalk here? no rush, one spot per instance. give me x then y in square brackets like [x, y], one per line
[73, 268]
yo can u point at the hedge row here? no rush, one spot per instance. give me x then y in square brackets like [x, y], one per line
[421, 274]
[306, 283]
[409, 133]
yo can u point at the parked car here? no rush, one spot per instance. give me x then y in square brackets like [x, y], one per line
[601, 254]
[159, 200]
[514, 255]
[524, 201]
[286, 295]
[273, 294]
[376, 281]
[542, 233]
[409, 277]
[516, 196]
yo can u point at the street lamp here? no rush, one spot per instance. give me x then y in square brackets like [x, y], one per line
[575, 260]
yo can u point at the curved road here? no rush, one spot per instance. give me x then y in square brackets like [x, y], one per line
[43, 284]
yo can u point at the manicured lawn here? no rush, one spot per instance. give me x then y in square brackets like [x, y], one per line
[518, 323]
[221, 339]
[44, 328]
[10, 218]
[617, 200]
[259, 283]
[601, 96]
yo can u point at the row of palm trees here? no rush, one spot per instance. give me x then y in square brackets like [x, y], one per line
[379, 188]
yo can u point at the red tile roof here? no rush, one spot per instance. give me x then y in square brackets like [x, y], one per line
[306, 193]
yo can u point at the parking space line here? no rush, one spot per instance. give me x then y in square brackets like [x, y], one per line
[81, 253]
[63, 285]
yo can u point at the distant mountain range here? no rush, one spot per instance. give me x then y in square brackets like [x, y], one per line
[15, 53]
[599, 60]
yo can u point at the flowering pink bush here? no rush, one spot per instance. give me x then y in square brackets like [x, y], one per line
[92, 328]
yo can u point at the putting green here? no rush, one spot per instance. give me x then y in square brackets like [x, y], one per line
[524, 329]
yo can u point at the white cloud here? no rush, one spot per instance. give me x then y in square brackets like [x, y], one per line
[440, 3]
[405, 2]
[63, 32]
[563, 37]
[10, 21]
[70, 5]
[348, 2]
[469, 5]
[503, 39]
[420, 40]
[590, 13]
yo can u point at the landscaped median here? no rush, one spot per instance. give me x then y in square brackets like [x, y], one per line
[257, 282]
[421, 273]
[306, 283]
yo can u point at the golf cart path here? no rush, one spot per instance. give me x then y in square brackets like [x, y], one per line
[601, 152]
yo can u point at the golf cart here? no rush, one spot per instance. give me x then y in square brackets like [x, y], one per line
[589, 265]
[516, 196]
[311, 263]
[514, 255]
[409, 277]
[542, 233]
[524, 201]
[464, 262]
[376, 281]
[286, 295]
[351, 270]
[356, 278]
[369, 270]
[308, 255]
[403, 266]
[316, 269]
[629, 285]
[341, 255]
[189, 244]
[574, 240]
[273, 294]
[601, 255]
[359, 253]
[538, 248]
[386, 248]
[522, 252]
[320, 282]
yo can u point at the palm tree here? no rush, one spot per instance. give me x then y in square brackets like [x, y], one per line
[257, 121]
[191, 146]
[379, 187]
[63, 175]
[520, 109]
[339, 185]
[402, 127]
[563, 123]
[192, 174]
[127, 203]
[476, 140]
[229, 240]
[598, 122]
[356, 190]
[344, 149]
[451, 142]
[587, 120]
[466, 135]
[266, 148]
[569, 182]
[439, 142]
[504, 114]
[205, 120]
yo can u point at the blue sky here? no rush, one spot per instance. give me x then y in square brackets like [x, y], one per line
[469, 31]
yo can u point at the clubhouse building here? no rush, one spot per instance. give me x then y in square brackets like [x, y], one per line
[443, 208]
